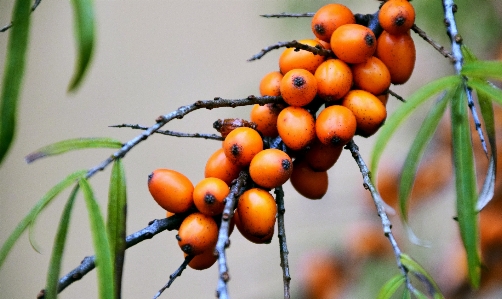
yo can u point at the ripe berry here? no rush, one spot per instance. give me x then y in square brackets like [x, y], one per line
[257, 240]
[204, 260]
[398, 53]
[269, 84]
[197, 234]
[321, 157]
[270, 168]
[296, 127]
[328, 18]
[371, 75]
[353, 43]
[369, 111]
[335, 125]
[291, 59]
[298, 87]
[308, 183]
[171, 190]
[265, 118]
[219, 166]
[334, 79]
[396, 16]
[257, 211]
[241, 145]
[209, 196]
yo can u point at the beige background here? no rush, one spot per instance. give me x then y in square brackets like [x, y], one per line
[152, 57]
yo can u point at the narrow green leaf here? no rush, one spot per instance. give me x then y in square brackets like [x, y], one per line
[406, 294]
[100, 242]
[13, 73]
[483, 69]
[419, 294]
[71, 145]
[83, 15]
[117, 213]
[415, 154]
[39, 206]
[392, 123]
[424, 277]
[465, 183]
[391, 286]
[51, 287]
[489, 90]
[467, 54]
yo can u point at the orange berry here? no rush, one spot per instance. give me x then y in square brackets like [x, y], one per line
[227, 125]
[328, 18]
[270, 168]
[197, 234]
[169, 214]
[353, 43]
[310, 184]
[219, 166]
[298, 87]
[321, 157]
[384, 98]
[291, 59]
[398, 53]
[209, 196]
[334, 79]
[269, 84]
[257, 211]
[371, 75]
[265, 118]
[296, 127]
[241, 145]
[257, 240]
[396, 16]
[171, 190]
[335, 125]
[203, 261]
[325, 45]
[369, 111]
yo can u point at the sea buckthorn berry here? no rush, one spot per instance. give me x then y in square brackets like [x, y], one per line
[325, 45]
[384, 98]
[398, 53]
[270, 168]
[241, 145]
[353, 43]
[328, 18]
[257, 240]
[334, 79]
[396, 16]
[209, 196]
[257, 210]
[171, 190]
[265, 118]
[291, 59]
[335, 125]
[197, 233]
[321, 157]
[296, 127]
[369, 111]
[270, 83]
[309, 183]
[298, 87]
[227, 125]
[219, 166]
[203, 261]
[371, 75]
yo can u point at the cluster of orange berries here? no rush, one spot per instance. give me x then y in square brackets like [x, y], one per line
[352, 85]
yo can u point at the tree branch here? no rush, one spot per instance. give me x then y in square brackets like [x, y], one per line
[171, 133]
[173, 276]
[289, 15]
[7, 27]
[283, 247]
[433, 43]
[293, 44]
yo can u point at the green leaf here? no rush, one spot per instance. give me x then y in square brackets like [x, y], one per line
[467, 54]
[39, 206]
[415, 154]
[391, 286]
[483, 69]
[83, 16]
[465, 183]
[117, 212]
[419, 294]
[489, 90]
[71, 145]
[51, 287]
[100, 241]
[406, 294]
[13, 73]
[393, 122]
[421, 274]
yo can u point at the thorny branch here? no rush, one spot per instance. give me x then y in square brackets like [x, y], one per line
[171, 133]
[35, 5]
[433, 43]
[283, 247]
[293, 44]
[173, 276]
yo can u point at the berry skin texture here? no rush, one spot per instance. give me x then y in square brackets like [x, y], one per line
[257, 211]
[265, 118]
[269, 84]
[371, 75]
[369, 111]
[296, 127]
[209, 196]
[336, 125]
[291, 59]
[171, 190]
[396, 16]
[321, 157]
[241, 145]
[398, 53]
[271, 168]
[298, 87]
[328, 18]
[262, 240]
[353, 43]
[197, 233]
[219, 166]
[310, 184]
[334, 79]
[203, 261]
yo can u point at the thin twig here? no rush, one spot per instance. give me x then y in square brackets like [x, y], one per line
[171, 133]
[283, 247]
[293, 44]
[35, 5]
[237, 188]
[397, 96]
[173, 276]
[289, 15]
[88, 263]
[432, 42]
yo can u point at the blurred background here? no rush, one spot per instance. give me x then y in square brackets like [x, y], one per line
[152, 57]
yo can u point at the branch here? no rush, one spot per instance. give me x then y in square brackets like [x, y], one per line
[289, 15]
[397, 96]
[173, 276]
[433, 43]
[88, 263]
[283, 247]
[293, 44]
[7, 27]
[171, 133]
